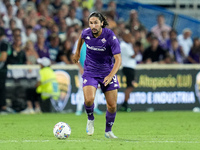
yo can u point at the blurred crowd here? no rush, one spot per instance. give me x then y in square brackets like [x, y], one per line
[50, 28]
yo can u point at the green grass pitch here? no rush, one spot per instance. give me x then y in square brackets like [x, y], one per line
[160, 130]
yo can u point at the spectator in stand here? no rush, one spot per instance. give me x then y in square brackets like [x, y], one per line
[4, 51]
[53, 47]
[73, 38]
[132, 16]
[146, 42]
[25, 21]
[65, 54]
[71, 19]
[41, 23]
[40, 46]
[31, 54]
[8, 16]
[3, 4]
[70, 29]
[137, 35]
[16, 6]
[30, 4]
[176, 52]
[111, 21]
[30, 35]
[121, 26]
[134, 24]
[164, 39]
[140, 50]
[194, 54]
[48, 6]
[32, 15]
[42, 11]
[84, 19]
[53, 30]
[59, 16]
[62, 30]
[18, 18]
[160, 26]
[9, 31]
[78, 9]
[17, 55]
[18, 32]
[65, 9]
[154, 53]
[112, 10]
[98, 6]
[31, 19]
[57, 4]
[185, 41]
[172, 35]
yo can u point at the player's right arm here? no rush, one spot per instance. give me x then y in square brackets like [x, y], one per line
[76, 56]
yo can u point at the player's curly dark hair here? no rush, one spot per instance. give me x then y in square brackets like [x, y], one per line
[101, 17]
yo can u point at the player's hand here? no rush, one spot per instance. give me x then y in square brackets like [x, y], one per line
[76, 58]
[107, 80]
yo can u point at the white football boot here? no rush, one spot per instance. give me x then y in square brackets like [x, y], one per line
[110, 135]
[90, 127]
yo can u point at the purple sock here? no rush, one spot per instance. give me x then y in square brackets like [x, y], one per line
[110, 118]
[89, 110]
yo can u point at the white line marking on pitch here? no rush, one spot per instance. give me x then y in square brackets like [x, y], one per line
[131, 141]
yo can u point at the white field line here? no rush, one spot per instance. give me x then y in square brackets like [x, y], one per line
[129, 141]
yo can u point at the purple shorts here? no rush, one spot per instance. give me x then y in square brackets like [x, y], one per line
[94, 81]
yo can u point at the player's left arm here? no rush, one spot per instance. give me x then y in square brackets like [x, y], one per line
[117, 64]
[115, 48]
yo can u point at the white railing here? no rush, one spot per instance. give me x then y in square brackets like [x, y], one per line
[139, 66]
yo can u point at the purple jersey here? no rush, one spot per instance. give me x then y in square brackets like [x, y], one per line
[100, 51]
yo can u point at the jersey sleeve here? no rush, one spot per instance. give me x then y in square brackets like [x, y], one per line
[84, 32]
[114, 43]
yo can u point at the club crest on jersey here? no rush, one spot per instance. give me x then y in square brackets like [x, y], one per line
[103, 40]
[88, 38]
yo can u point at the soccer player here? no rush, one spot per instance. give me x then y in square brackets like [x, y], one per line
[103, 59]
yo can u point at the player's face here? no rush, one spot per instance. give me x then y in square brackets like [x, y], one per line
[95, 25]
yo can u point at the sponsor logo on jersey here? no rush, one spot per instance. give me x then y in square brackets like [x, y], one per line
[114, 37]
[96, 48]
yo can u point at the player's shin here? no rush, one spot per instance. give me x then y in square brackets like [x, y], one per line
[90, 110]
[110, 118]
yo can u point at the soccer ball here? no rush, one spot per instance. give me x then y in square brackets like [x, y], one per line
[62, 130]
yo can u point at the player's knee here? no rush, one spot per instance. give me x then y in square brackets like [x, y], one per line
[89, 100]
[112, 108]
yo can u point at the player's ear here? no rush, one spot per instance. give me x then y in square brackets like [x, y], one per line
[102, 23]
